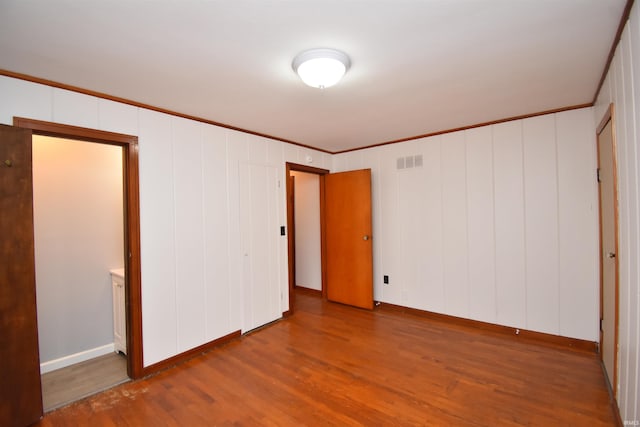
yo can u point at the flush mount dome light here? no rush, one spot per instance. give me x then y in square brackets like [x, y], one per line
[321, 68]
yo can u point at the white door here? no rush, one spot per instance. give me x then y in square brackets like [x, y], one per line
[260, 234]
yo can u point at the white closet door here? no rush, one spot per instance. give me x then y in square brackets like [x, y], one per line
[260, 233]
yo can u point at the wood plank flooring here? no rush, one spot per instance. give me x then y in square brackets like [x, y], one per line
[330, 364]
[66, 385]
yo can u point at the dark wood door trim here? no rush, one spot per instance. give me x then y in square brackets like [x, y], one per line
[609, 117]
[21, 391]
[133, 297]
[291, 243]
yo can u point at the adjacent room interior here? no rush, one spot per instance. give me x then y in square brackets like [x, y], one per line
[79, 260]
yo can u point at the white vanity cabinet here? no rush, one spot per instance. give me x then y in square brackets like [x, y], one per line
[119, 315]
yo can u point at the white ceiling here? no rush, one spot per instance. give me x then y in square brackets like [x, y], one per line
[418, 67]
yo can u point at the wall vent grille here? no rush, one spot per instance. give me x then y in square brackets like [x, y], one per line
[409, 162]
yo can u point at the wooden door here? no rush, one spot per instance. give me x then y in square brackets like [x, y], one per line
[20, 393]
[349, 250]
[608, 252]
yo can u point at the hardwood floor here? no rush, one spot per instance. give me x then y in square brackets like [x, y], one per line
[66, 385]
[330, 364]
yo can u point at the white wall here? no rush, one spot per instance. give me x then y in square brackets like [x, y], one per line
[307, 222]
[78, 224]
[622, 88]
[191, 236]
[201, 271]
[499, 224]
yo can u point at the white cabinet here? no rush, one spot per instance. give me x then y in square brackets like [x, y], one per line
[119, 315]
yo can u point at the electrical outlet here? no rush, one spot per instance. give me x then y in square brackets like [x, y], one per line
[385, 279]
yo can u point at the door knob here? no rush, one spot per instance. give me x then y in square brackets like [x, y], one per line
[365, 237]
[611, 255]
[8, 163]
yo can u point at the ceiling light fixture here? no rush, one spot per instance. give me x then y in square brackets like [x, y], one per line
[321, 68]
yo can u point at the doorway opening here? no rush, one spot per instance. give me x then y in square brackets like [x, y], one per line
[345, 234]
[127, 145]
[78, 217]
[291, 170]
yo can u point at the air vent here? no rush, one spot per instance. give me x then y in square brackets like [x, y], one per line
[409, 162]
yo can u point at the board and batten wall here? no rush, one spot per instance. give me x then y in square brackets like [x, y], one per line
[76, 244]
[497, 224]
[307, 223]
[622, 88]
[199, 269]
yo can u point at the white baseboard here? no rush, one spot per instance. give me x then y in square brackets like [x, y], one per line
[72, 359]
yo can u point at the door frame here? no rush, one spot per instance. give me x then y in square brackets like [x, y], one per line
[291, 243]
[133, 288]
[609, 117]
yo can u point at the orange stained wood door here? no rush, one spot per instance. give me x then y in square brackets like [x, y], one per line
[608, 254]
[349, 250]
[20, 390]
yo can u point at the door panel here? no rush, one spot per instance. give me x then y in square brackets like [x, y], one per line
[20, 394]
[349, 250]
[608, 249]
[260, 244]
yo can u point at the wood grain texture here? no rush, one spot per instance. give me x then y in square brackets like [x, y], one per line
[515, 333]
[348, 227]
[20, 393]
[330, 364]
[186, 355]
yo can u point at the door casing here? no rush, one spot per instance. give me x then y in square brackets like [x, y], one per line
[133, 289]
[291, 242]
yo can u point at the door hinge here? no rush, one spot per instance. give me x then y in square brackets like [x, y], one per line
[598, 175]
[601, 325]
